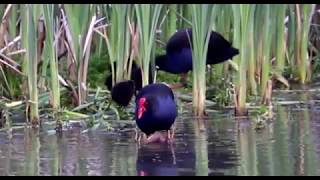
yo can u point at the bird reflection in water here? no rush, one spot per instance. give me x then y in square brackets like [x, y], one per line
[157, 159]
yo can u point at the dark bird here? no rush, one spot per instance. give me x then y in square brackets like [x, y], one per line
[155, 109]
[124, 91]
[136, 76]
[178, 57]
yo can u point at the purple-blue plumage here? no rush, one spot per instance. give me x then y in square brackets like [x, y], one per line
[155, 108]
[178, 57]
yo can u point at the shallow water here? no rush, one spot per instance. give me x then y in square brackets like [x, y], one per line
[289, 145]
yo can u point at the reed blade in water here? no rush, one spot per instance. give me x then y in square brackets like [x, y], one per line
[30, 16]
[280, 11]
[50, 54]
[201, 30]
[299, 25]
[266, 60]
[252, 85]
[307, 11]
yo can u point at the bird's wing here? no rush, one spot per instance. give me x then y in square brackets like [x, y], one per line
[179, 41]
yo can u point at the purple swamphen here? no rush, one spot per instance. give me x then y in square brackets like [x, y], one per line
[178, 57]
[155, 107]
[155, 110]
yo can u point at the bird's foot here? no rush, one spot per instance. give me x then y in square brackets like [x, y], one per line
[136, 135]
[155, 137]
[139, 135]
[205, 114]
[169, 136]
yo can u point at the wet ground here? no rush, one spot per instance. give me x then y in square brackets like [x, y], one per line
[288, 145]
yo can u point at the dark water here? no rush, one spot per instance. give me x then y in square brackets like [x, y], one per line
[287, 146]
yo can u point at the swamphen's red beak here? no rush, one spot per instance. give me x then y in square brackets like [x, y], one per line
[142, 108]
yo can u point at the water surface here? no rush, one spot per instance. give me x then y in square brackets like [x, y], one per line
[289, 145]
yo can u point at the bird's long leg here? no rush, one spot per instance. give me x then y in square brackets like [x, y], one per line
[172, 130]
[139, 137]
[173, 154]
[182, 83]
[170, 133]
[137, 134]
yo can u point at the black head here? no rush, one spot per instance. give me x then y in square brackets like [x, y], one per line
[229, 53]
[233, 52]
[220, 49]
[122, 92]
[161, 62]
[135, 76]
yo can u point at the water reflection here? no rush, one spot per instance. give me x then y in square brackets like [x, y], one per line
[156, 160]
[287, 146]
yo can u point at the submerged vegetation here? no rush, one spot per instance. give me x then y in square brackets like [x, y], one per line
[54, 58]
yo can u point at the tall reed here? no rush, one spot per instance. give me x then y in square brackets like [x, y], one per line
[30, 16]
[79, 29]
[50, 53]
[202, 22]
[147, 19]
[118, 41]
